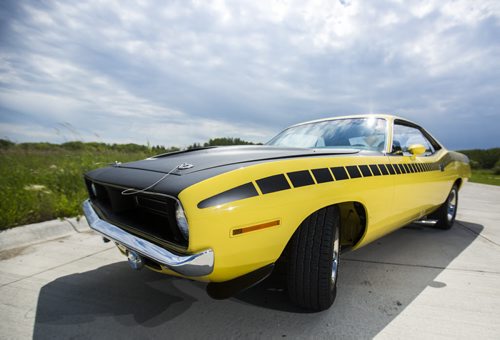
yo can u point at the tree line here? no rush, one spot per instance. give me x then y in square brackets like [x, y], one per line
[480, 158]
[483, 159]
[129, 147]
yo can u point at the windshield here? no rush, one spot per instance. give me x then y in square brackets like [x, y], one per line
[356, 133]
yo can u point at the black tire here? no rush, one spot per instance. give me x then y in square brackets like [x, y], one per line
[312, 273]
[447, 212]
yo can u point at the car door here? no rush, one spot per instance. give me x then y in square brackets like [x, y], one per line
[418, 184]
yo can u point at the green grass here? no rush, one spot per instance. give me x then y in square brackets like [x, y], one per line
[40, 185]
[41, 181]
[485, 177]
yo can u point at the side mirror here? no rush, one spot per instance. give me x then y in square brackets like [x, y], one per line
[416, 149]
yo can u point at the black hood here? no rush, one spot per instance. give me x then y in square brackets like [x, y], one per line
[206, 163]
[208, 158]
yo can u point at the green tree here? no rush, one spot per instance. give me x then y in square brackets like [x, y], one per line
[224, 141]
[496, 168]
[5, 143]
[486, 158]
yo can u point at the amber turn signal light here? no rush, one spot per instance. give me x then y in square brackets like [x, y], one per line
[240, 231]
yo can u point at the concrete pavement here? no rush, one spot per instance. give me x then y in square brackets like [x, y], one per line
[415, 283]
[39, 232]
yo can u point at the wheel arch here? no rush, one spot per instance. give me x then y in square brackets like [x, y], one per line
[353, 225]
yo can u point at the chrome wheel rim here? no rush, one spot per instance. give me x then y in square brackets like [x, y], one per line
[335, 259]
[452, 205]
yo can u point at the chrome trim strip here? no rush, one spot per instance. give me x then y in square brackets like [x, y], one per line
[198, 264]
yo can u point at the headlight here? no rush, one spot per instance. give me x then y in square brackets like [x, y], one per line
[94, 190]
[180, 217]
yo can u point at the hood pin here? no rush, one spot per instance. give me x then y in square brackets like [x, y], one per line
[185, 166]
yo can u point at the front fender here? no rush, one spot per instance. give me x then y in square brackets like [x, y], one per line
[235, 255]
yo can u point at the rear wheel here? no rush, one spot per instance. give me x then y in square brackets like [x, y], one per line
[447, 212]
[313, 260]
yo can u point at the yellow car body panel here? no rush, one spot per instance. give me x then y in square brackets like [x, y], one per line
[383, 197]
[392, 189]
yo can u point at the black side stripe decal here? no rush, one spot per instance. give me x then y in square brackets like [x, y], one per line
[301, 178]
[375, 170]
[273, 184]
[322, 175]
[243, 191]
[353, 171]
[365, 170]
[383, 169]
[339, 173]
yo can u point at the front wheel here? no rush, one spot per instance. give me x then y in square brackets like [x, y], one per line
[447, 212]
[313, 260]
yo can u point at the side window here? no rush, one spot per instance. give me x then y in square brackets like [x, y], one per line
[404, 136]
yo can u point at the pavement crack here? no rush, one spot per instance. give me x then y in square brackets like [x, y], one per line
[476, 233]
[73, 226]
[55, 267]
[423, 266]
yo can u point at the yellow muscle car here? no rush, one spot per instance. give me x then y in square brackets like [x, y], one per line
[228, 215]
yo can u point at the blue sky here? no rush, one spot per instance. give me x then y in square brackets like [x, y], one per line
[178, 72]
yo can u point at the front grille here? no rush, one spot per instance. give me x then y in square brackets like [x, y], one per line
[145, 215]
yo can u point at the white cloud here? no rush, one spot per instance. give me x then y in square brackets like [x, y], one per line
[40, 104]
[180, 72]
[26, 132]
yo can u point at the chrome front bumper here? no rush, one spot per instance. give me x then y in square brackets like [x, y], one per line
[198, 264]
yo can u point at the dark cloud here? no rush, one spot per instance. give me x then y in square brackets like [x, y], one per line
[179, 72]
